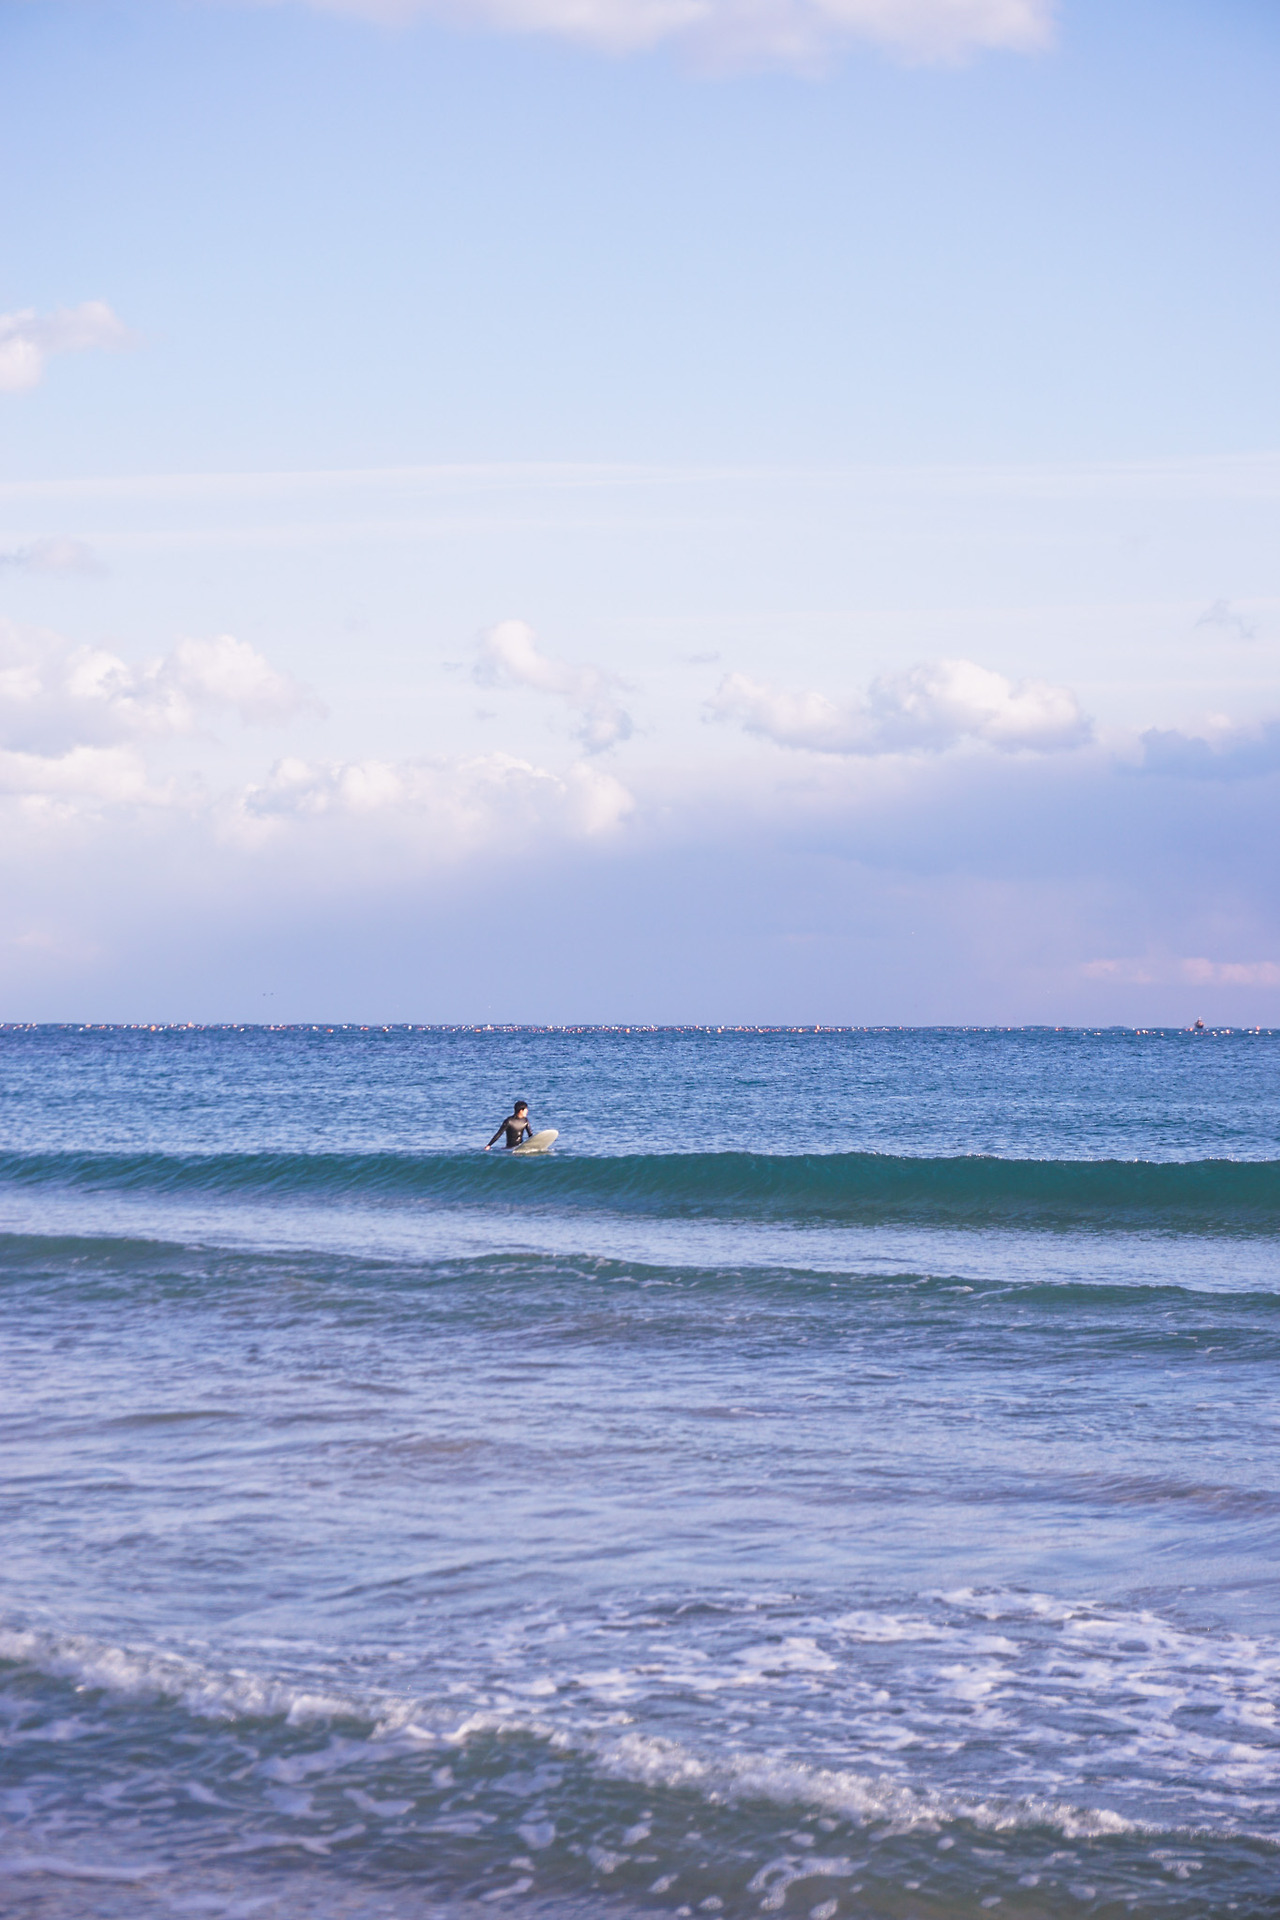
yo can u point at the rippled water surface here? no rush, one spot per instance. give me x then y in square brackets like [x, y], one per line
[843, 1480]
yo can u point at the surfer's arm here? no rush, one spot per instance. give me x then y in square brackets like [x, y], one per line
[497, 1135]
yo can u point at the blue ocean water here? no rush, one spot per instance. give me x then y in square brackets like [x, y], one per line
[842, 1480]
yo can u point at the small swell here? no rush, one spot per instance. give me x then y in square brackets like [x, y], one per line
[859, 1188]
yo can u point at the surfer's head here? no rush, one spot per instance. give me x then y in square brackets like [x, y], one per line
[521, 1106]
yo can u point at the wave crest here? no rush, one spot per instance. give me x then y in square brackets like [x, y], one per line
[858, 1188]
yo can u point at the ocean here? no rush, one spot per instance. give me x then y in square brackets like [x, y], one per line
[842, 1480]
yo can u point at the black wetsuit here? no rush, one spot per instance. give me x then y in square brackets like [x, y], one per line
[515, 1130]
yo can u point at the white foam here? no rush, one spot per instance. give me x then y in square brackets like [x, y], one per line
[133, 1674]
[15, 1864]
[864, 1799]
[1062, 1704]
[777, 1877]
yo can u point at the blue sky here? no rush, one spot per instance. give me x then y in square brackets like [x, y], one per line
[693, 513]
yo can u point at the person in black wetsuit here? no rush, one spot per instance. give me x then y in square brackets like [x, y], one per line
[517, 1128]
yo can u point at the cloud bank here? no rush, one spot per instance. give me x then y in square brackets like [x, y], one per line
[29, 339]
[795, 33]
[509, 657]
[889, 877]
[929, 708]
[1227, 753]
[945, 887]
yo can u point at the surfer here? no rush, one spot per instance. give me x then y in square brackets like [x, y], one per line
[517, 1128]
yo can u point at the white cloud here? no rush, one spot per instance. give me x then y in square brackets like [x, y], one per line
[55, 696]
[1195, 972]
[64, 557]
[795, 33]
[28, 339]
[1232, 973]
[457, 806]
[932, 706]
[61, 784]
[509, 657]
[76, 724]
[227, 672]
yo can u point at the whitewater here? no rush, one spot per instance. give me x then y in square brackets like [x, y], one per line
[842, 1480]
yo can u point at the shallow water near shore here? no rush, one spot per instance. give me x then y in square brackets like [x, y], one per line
[843, 1480]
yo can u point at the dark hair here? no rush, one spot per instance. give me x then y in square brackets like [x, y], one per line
[518, 1104]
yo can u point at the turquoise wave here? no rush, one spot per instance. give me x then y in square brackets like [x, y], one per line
[858, 1188]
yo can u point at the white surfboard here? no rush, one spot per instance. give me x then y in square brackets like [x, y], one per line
[540, 1142]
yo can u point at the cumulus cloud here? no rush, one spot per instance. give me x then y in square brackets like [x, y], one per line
[229, 673]
[509, 657]
[77, 725]
[28, 339]
[457, 805]
[929, 708]
[110, 776]
[63, 557]
[55, 696]
[796, 33]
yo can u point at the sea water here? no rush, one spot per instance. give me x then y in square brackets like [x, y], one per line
[842, 1480]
